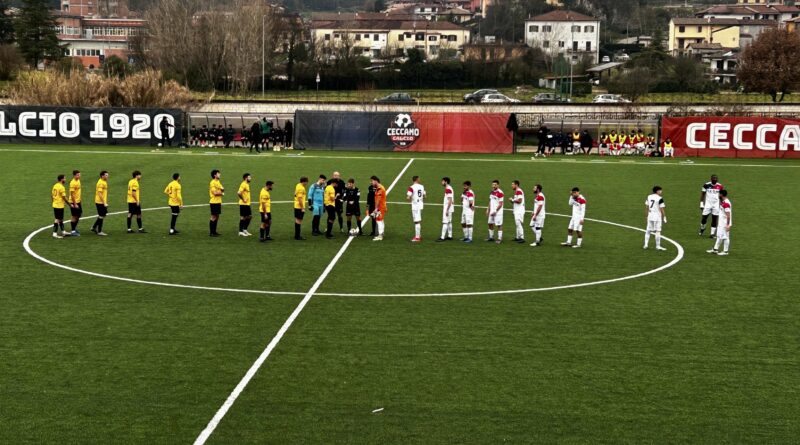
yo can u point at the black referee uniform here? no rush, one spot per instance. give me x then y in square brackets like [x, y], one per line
[371, 206]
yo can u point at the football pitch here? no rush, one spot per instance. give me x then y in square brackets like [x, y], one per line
[151, 338]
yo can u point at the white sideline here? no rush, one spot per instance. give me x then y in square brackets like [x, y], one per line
[212, 424]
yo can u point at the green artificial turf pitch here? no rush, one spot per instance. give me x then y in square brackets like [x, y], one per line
[704, 351]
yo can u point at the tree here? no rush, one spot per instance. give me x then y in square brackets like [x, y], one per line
[6, 23]
[35, 30]
[115, 67]
[770, 64]
[631, 84]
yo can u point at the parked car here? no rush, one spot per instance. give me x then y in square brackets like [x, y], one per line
[609, 99]
[606, 59]
[498, 98]
[475, 97]
[397, 98]
[549, 98]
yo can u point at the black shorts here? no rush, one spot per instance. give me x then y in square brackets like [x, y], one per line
[339, 206]
[266, 217]
[245, 211]
[134, 209]
[352, 210]
[331, 210]
[102, 210]
[299, 214]
[58, 214]
[76, 211]
[216, 209]
[175, 209]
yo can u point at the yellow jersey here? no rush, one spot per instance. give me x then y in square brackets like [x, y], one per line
[133, 191]
[59, 195]
[215, 187]
[173, 191]
[244, 193]
[330, 196]
[299, 196]
[75, 191]
[101, 192]
[264, 201]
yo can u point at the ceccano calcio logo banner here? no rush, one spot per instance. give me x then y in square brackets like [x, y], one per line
[403, 131]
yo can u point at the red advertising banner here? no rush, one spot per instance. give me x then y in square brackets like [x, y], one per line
[451, 132]
[733, 137]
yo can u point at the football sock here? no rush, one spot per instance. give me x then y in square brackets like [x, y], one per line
[491, 233]
[450, 230]
[247, 223]
[100, 222]
[374, 224]
[580, 240]
[72, 225]
[647, 238]
[139, 223]
[296, 230]
[266, 230]
[55, 227]
[360, 230]
[339, 216]
[349, 226]
[315, 224]
[499, 235]
[569, 239]
[658, 239]
[716, 244]
[471, 232]
[444, 231]
[330, 228]
[417, 229]
[726, 244]
[380, 227]
[241, 225]
[211, 227]
[713, 231]
[262, 233]
[129, 223]
[538, 235]
[173, 221]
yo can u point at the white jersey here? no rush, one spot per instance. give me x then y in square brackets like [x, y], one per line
[519, 201]
[417, 194]
[725, 214]
[468, 201]
[538, 200]
[449, 199]
[495, 200]
[578, 207]
[654, 203]
[712, 194]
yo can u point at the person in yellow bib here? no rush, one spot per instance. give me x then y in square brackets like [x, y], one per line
[329, 200]
[265, 208]
[134, 201]
[299, 206]
[245, 212]
[174, 192]
[215, 194]
[101, 203]
[75, 208]
[58, 195]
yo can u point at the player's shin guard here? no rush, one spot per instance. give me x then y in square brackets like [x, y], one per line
[658, 239]
[129, 223]
[444, 231]
[538, 234]
[173, 221]
[726, 245]
[418, 230]
[380, 227]
[139, 222]
[450, 230]
[296, 231]
[499, 234]
[580, 241]
[72, 225]
[569, 239]
[55, 227]
[717, 243]
[647, 238]
[100, 222]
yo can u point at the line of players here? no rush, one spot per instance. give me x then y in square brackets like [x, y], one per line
[334, 197]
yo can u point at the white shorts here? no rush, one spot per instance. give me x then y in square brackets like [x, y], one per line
[447, 217]
[723, 233]
[467, 218]
[497, 219]
[416, 214]
[711, 210]
[519, 216]
[654, 225]
[575, 224]
[538, 222]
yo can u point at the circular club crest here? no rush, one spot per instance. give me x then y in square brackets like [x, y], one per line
[402, 131]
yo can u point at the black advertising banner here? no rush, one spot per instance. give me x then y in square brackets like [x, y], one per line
[88, 126]
[344, 130]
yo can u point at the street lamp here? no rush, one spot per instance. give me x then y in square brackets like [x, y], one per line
[571, 54]
[263, 54]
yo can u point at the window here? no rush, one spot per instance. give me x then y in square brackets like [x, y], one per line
[546, 44]
[681, 29]
[327, 36]
[432, 38]
[400, 52]
[560, 43]
[574, 46]
[576, 28]
[376, 37]
[336, 36]
[401, 37]
[366, 36]
[547, 28]
[588, 46]
[699, 29]
[533, 28]
[452, 38]
[434, 49]
[420, 37]
[358, 37]
[588, 28]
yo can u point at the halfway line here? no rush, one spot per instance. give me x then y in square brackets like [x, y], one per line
[212, 424]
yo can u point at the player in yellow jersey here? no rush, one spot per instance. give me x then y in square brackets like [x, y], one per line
[174, 200]
[265, 208]
[134, 201]
[74, 200]
[101, 202]
[299, 206]
[215, 194]
[245, 212]
[58, 195]
[329, 200]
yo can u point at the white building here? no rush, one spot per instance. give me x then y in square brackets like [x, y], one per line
[564, 32]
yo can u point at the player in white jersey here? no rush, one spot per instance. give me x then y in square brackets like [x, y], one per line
[448, 207]
[467, 211]
[709, 204]
[538, 214]
[656, 215]
[725, 223]
[416, 196]
[518, 201]
[578, 204]
[495, 212]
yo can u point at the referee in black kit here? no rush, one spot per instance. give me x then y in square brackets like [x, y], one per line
[371, 207]
[338, 184]
[164, 126]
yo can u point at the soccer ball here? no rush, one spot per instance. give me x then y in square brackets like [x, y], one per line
[403, 120]
[353, 232]
[159, 144]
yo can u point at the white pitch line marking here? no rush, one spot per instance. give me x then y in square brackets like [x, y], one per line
[212, 424]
